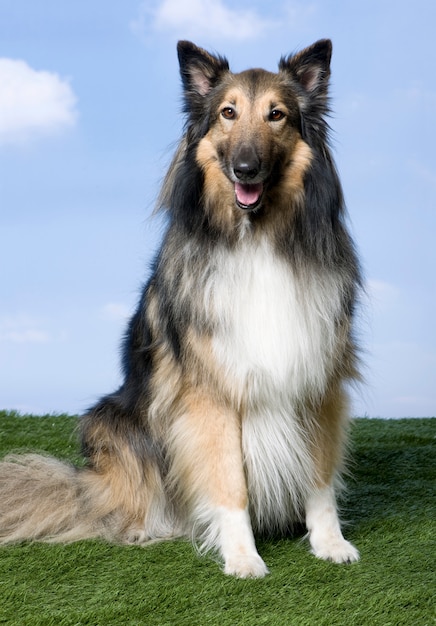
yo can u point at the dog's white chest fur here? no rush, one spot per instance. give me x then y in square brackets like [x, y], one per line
[274, 330]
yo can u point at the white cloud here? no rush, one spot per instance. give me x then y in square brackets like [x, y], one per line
[416, 95]
[22, 329]
[381, 294]
[29, 335]
[401, 378]
[425, 173]
[32, 102]
[115, 311]
[202, 19]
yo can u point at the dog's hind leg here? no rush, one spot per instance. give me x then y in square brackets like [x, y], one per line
[124, 475]
[207, 474]
[322, 521]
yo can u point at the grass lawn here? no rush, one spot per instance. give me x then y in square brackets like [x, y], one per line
[391, 517]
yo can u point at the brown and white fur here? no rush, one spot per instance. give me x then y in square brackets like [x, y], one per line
[232, 417]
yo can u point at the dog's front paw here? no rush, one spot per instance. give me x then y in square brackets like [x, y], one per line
[337, 550]
[243, 566]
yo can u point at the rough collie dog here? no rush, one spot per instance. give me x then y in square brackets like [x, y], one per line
[231, 420]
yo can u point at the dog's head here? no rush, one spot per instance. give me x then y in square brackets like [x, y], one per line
[254, 131]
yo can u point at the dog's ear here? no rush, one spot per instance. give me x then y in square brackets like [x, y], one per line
[200, 71]
[311, 67]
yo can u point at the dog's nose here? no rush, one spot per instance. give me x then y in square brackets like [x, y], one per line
[246, 164]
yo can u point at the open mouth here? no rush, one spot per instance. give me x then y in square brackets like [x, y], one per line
[248, 197]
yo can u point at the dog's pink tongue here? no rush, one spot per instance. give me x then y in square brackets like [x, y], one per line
[248, 194]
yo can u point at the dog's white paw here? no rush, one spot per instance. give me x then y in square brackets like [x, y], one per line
[243, 566]
[337, 550]
[237, 545]
[325, 534]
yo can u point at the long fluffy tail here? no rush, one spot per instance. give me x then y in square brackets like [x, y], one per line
[44, 499]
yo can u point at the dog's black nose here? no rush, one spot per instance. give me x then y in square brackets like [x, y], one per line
[246, 164]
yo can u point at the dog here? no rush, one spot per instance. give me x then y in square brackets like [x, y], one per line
[232, 419]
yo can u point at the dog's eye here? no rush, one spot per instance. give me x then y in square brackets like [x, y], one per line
[228, 113]
[276, 115]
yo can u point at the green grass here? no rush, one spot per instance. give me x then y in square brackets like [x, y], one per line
[391, 518]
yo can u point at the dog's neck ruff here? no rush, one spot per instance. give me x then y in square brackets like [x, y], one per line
[276, 332]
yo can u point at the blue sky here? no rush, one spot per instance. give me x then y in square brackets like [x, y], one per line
[89, 115]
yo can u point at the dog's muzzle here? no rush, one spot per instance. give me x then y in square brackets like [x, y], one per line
[246, 170]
